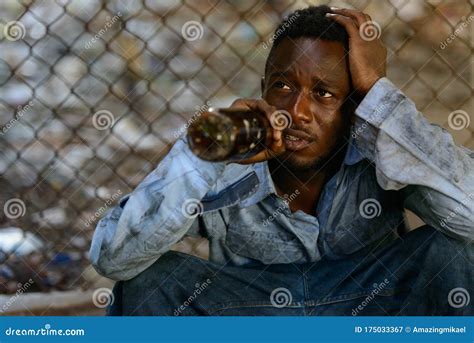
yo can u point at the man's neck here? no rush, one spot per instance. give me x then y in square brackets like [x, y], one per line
[305, 186]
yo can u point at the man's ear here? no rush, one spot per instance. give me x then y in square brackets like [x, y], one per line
[262, 85]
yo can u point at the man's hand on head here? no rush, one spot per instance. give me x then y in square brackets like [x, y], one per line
[367, 54]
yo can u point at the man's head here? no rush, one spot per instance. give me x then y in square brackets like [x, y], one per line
[307, 74]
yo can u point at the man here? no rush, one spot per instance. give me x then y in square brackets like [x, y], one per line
[311, 225]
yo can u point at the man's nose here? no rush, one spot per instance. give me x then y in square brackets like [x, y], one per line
[301, 112]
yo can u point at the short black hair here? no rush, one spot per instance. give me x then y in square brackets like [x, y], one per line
[310, 22]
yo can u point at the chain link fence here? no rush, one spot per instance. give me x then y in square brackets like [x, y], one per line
[94, 93]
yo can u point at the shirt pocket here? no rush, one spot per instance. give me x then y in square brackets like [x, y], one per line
[354, 232]
[362, 213]
[347, 239]
[271, 244]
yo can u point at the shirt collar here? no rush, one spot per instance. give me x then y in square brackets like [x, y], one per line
[353, 155]
[267, 186]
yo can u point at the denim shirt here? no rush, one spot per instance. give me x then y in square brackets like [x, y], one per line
[395, 159]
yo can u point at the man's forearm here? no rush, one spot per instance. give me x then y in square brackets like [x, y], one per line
[152, 220]
[409, 151]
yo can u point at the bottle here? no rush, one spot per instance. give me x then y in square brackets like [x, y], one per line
[229, 134]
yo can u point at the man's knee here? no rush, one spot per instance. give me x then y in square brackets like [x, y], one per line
[436, 268]
[437, 259]
[444, 249]
[158, 289]
[169, 263]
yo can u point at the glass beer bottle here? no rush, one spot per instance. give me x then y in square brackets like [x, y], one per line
[229, 134]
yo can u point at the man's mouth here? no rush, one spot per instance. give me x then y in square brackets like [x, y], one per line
[296, 140]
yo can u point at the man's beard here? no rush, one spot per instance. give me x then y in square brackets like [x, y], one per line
[297, 165]
[302, 166]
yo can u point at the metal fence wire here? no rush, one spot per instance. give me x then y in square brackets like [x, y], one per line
[94, 93]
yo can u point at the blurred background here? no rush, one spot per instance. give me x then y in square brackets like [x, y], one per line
[93, 94]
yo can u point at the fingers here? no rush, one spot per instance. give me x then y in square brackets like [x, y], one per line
[262, 106]
[348, 23]
[259, 105]
[358, 16]
[276, 147]
[264, 155]
[240, 103]
[351, 20]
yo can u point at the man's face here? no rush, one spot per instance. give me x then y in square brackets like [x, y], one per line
[309, 78]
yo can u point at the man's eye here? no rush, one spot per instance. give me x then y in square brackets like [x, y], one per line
[324, 94]
[281, 85]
